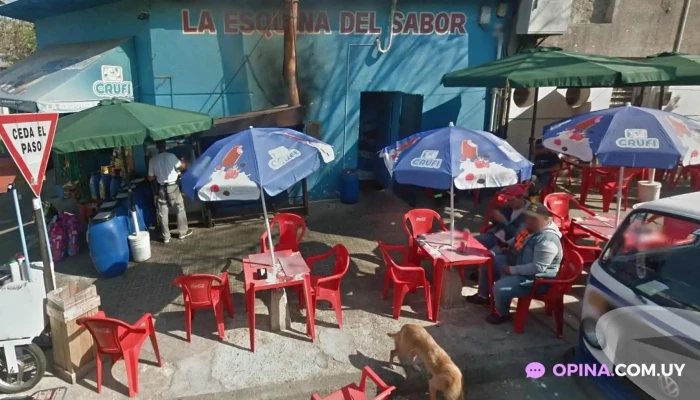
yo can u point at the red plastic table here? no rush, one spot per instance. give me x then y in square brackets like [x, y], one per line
[254, 284]
[601, 226]
[437, 245]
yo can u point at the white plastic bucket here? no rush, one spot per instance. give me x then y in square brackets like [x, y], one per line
[140, 245]
[648, 191]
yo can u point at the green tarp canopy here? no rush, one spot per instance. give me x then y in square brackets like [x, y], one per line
[552, 66]
[687, 68]
[115, 123]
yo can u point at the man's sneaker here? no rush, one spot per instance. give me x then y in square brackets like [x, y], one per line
[495, 319]
[166, 240]
[188, 233]
[476, 299]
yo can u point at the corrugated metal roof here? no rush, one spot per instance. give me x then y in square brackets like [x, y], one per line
[32, 10]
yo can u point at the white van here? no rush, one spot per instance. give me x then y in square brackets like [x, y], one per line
[641, 309]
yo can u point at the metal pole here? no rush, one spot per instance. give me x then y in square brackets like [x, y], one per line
[20, 226]
[681, 26]
[49, 279]
[267, 225]
[533, 126]
[452, 212]
[619, 195]
[46, 237]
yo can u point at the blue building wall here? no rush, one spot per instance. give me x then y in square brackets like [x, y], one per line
[206, 58]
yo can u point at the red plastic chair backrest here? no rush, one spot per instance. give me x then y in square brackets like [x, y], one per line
[289, 226]
[570, 268]
[420, 221]
[388, 261]
[559, 205]
[342, 264]
[197, 288]
[106, 332]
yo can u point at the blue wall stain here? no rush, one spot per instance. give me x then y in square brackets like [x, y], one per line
[223, 74]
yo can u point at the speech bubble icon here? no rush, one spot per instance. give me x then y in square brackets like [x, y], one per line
[534, 370]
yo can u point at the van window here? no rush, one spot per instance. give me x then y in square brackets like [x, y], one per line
[657, 256]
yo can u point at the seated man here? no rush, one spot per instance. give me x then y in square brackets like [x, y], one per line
[546, 162]
[540, 256]
[507, 221]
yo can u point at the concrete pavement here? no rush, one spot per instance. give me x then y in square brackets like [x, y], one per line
[287, 363]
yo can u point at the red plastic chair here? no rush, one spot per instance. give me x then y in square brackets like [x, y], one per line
[420, 222]
[406, 278]
[588, 253]
[496, 203]
[328, 287]
[290, 237]
[355, 392]
[570, 270]
[202, 291]
[559, 204]
[551, 186]
[120, 340]
[607, 185]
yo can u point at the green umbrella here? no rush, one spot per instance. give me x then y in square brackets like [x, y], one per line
[551, 66]
[687, 68]
[115, 123]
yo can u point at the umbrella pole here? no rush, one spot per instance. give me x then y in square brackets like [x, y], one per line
[533, 125]
[619, 195]
[452, 212]
[267, 225]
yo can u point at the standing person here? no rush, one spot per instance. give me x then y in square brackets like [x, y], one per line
[163, 168]
[546, 163]
[539, 255]
[506, 222]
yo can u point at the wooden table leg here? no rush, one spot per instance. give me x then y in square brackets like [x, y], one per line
[438, 269]
[310, 308]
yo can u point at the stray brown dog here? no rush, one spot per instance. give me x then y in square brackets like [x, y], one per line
[414, 340]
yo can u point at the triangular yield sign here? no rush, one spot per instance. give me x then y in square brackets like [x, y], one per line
[28, 138]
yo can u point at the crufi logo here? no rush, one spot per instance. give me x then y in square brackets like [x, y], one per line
[637, 139]
[428, 159]
[282, 156]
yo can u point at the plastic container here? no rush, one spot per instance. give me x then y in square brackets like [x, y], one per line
[95, 186]
[140, 246]
[105, 182]
[124, 210]
[349, 187]
[648, 191]
[115, 185]
[109, 247]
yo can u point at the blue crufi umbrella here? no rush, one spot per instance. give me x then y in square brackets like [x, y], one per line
[248, 164]
[627, 136]
[451, 157]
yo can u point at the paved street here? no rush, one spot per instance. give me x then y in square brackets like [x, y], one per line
[288, 364]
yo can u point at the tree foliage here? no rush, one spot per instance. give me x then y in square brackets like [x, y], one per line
[17, 40]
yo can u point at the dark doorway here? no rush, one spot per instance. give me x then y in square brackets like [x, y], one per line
[385, 118]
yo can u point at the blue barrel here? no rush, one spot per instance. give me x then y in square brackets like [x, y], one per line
[114, 186]
[349, 186]
[105, 181]
[95, 186]
[109, 247]
[144, 200]
[124, 210]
